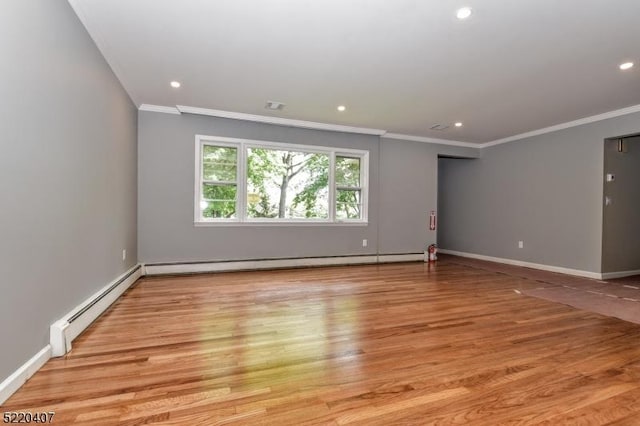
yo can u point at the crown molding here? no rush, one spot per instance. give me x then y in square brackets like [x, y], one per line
[430, 140]
[562, 126]
[279, 121]
[182, 109]
[159, 108]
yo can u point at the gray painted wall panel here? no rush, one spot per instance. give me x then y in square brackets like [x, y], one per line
[544, 190]
[621, 221]
[408, 185]
[408, 193]
[166, 173]
[166, 191]
[67, 173]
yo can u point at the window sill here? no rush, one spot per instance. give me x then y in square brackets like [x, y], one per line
[268, 224]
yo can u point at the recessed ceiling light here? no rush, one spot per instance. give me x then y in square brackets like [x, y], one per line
[626, 66]
[342, 108]
[458, 124]
[463, 13]
[175, 84]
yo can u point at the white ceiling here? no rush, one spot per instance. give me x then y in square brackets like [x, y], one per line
[398, 65]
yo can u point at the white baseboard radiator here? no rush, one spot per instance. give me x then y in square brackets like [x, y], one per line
[283, 263]
[66, 329]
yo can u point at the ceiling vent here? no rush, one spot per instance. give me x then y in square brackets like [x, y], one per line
[274, 106]
[439, 127]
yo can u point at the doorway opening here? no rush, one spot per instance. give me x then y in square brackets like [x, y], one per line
[621, 207]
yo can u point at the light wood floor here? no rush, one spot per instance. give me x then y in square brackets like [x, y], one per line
[391, 344]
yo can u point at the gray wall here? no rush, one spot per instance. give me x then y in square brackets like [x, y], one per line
[544, 190]
[621, 221]
[408, 193]
[166, 232]
[67, 173]
[166, 168]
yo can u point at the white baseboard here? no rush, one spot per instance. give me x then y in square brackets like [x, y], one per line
[412, 257]
[66, 329]
[250, 265]
[619, 274]
[550, 268]
[22, 374]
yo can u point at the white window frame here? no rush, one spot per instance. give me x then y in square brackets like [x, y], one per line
[242, 146]
[221, 142]
[337, 188]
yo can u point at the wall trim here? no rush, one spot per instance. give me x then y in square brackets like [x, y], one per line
[430, 140]
[279, 121]
[550, 268]
[66, 329]
[407, 257]
[159, 108]
[253, 265]
[180, 109]
[568, 124]
[619, 274]
[262, 264]
[19, 377]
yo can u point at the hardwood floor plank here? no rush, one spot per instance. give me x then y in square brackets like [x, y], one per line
[379, 344]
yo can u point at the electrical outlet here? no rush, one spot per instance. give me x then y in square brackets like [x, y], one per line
[124, 254]
[364, 243]
[520, 244]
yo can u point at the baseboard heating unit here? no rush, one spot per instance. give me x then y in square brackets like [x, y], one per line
[66, 329]
[283, 263]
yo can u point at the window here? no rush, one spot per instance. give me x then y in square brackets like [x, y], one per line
[219, 190]
[260, 182]
[287, 184]
[348, 188]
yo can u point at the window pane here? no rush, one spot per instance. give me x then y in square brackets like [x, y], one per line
[219, 163]
[347, 171]
[218, 201]
[348, 204]
[287, 184]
